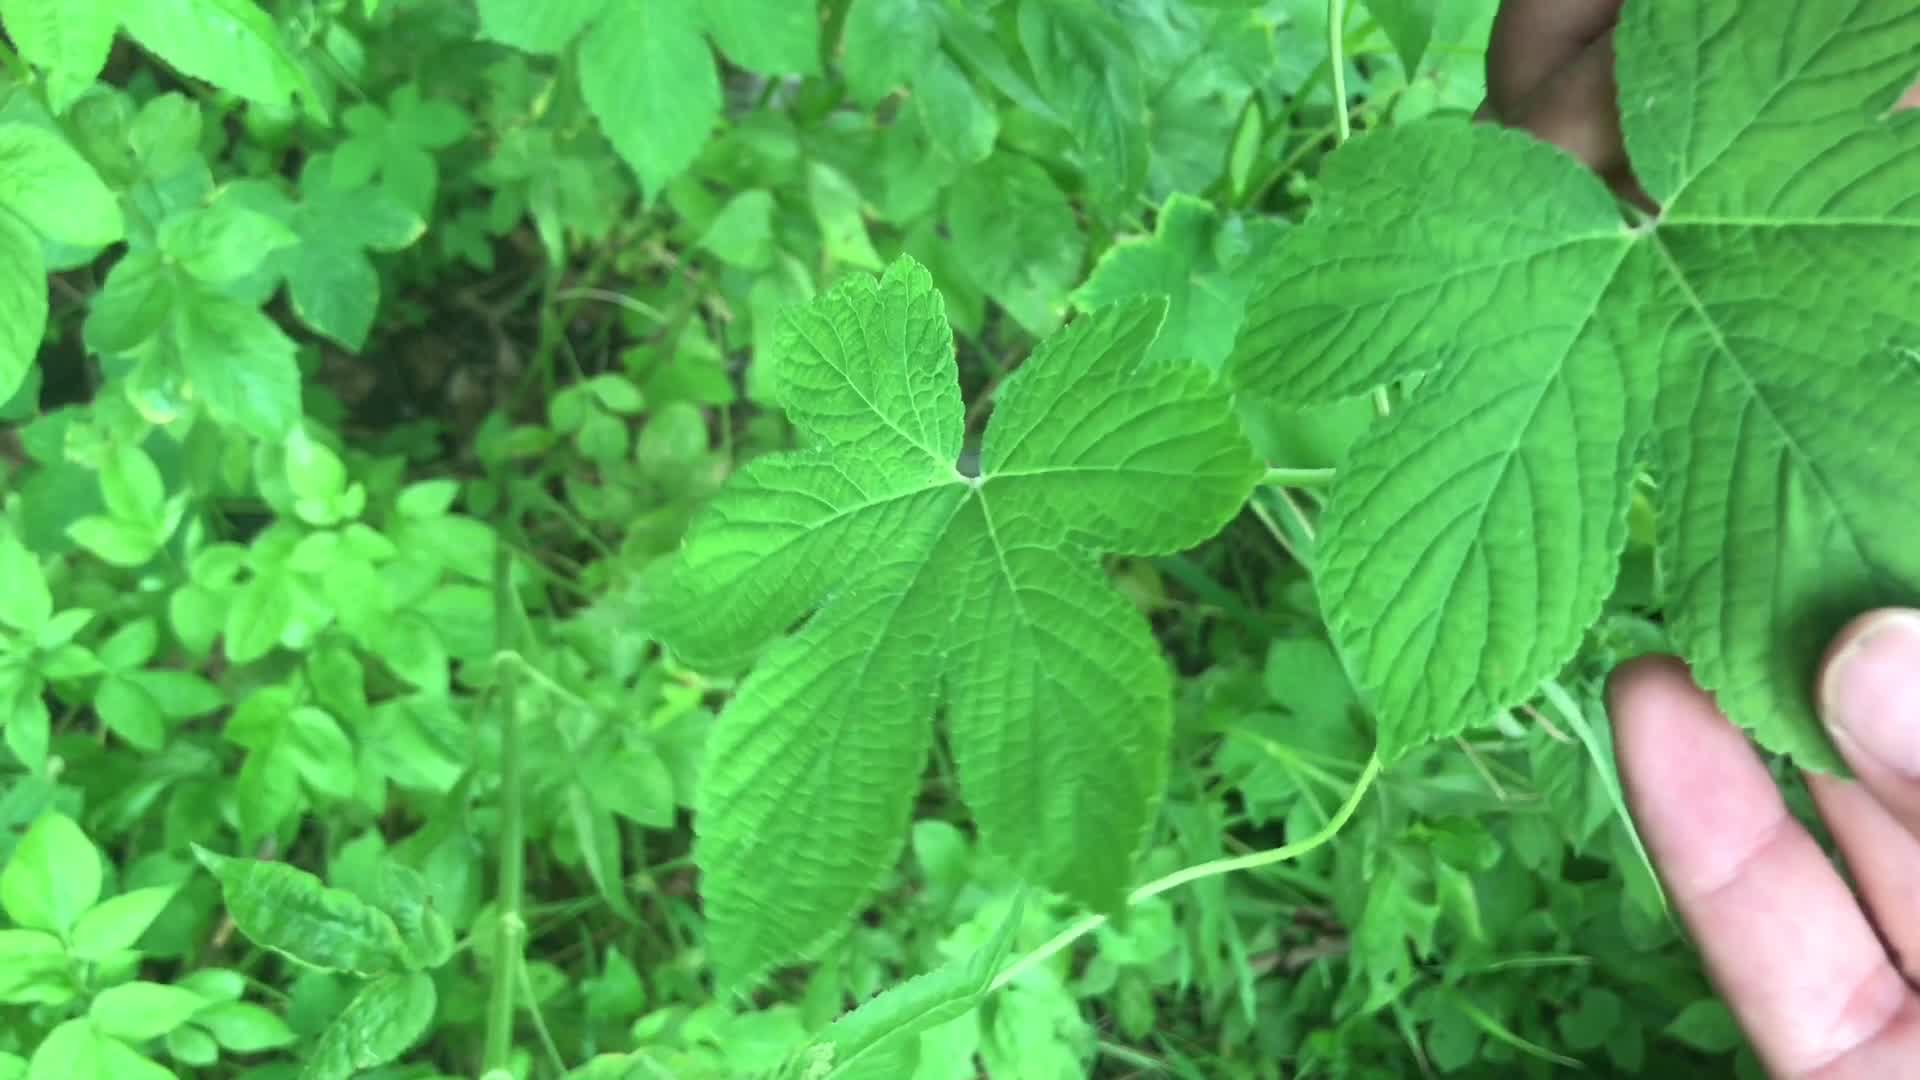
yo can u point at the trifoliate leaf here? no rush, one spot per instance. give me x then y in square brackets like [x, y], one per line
[1758, 335]
[650, 81]
[334, 286]
[396, 145]
[928, 586]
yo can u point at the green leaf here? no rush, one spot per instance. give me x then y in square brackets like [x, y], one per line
[116, 924]
[289, 911]
[240, 363]
[742, 233]
[1180, 261]
[53, 876]
[1756, 339]
[843, 223]
[223, 242]
[230, 43]
[23, 302]
[70, 38]
[650, 81]
[772, 37]
[1018, 236]
[71, 1051]
[259, 614]
[382, 1021]
[130, 713]
[885, 42]
[927, 585]
[244, 1028]
[25, 604]
[138, 1011]
[1705, 1025]
[1409, 25]
[880, 1040]
[960, 123]
[52, 187]
[544, 27]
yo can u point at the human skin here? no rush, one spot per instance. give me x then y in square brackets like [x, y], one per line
[1823, 975]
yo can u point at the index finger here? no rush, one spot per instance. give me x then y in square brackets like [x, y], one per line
[1533, 39]
[1785, 940]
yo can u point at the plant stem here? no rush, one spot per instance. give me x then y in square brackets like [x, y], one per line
[511, 928]
[1337, 57]
[1087, 924]
[1277, 477]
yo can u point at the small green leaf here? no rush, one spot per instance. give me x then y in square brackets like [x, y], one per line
[772, 37]
[382, 1021]
[69, 38]
[53, 876]
[230, 43]
[843, 222]
[260, 613]
[244, 1028]
[131, 714]
[25, 603]
[222, 243]
[239, 363]
[131, 487]
[544, 27]
[742, 233]
[1707, 1026]
[52, 187]
[138, 1011]
[649, 79]
[880, 1040]
[71, 1051]
[116, 924]
[23, 301]
[1409, 25]
[885, 43]
[121, 543]
[191, 1045]
[289, 911]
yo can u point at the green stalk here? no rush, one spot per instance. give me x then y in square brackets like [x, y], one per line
[1087, 924]
[510, 933]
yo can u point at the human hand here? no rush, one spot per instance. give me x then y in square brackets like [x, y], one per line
[1822, 981]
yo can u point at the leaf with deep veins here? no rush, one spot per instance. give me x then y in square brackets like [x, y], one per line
[922, 586]
[1758, 340]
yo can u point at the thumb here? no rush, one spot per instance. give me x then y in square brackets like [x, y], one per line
[1870, 700]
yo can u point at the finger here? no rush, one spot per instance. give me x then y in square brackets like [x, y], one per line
[1783, 938]
[1912, 98]
[1532, 39]
[1884, 861]
[1574, 108]
[1870, 699]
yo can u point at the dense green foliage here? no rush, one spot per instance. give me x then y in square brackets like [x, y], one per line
[624, 539]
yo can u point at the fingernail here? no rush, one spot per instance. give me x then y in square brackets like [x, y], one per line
[1871, 692]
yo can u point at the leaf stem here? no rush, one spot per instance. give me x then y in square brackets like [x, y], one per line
[511, 926]
[1087, 924]
[1282, 477]
[1337, 57]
